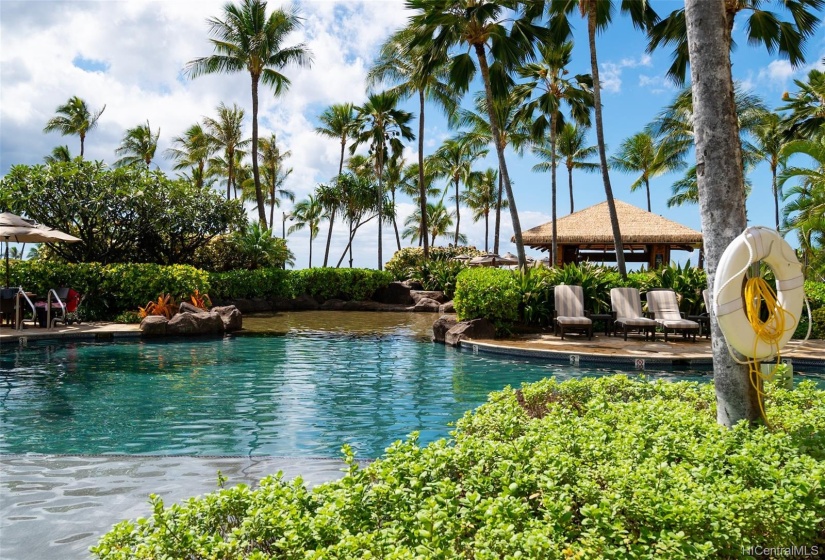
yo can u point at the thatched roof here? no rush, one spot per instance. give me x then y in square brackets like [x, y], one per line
[592, 226]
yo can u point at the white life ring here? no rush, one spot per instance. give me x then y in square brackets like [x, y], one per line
[753, 245]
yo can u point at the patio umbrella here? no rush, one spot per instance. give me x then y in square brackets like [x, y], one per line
[491, 259]
[14, 228]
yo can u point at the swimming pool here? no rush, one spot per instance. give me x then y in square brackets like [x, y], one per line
[298, 392]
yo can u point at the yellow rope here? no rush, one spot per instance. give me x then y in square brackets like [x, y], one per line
[769, 331]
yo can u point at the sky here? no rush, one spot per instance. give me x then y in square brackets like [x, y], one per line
[129, 57]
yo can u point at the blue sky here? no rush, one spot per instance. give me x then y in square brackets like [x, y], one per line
[129, 56]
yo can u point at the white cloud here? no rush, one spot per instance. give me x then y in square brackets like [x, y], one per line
[656, 84]
[777, 72]
[610, 73]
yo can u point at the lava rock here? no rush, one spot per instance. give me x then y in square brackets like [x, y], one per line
[154, 325]
[231, 317]
[447, 307]
[305, 302]
[186, 307]
[475, 329]
[418, 295]
[427, 305]
[195, 323]
[441, 326]
[396, 293]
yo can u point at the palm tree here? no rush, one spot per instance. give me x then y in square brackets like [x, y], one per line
[393, 176]
[307, 214]
[138, 146]
[454, 159]
[74, 117]
[274, 174]
[339, 123]
[770, 136]
[192, 150]
[686, 190]
[359, 203]
[599, 14]
[226, 133]
[572, 150]
[480, 197]
[514, 131]
[483, 27]
[807, 106]
[59, 154]
[249, 40]
[380, 124]
[439, 221]
[642, 154]
[415, 70]
[548, 78]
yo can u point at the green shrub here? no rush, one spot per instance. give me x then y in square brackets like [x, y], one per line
[488, 293]
[250, 248]
[267, 283]
[590, 468]
[596, 282]
[437, 275]
[410, 258]
[340, 283]
[818, 320]
[536, 288]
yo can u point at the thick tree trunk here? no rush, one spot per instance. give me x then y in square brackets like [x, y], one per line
[597, 99]
[422, 188]
[502, 164]
[554, 241]
[570, 186]
[498, 214]
[82, 143]
[256, 173]
[720, 182]
[647, 190]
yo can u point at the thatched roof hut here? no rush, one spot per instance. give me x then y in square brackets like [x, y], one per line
[587, 235]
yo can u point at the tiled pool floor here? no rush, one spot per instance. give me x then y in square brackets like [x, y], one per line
[54, 507]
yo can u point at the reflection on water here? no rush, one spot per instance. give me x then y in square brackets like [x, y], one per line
[366, 379]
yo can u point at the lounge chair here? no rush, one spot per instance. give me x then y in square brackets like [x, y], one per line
[627, 305]
[665, 309]
[703, 318]
[569, 312]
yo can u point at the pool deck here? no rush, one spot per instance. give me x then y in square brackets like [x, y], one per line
[574, 349]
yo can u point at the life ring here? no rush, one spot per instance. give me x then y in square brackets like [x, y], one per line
[753, 245]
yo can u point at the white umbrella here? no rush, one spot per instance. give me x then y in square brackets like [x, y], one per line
[14, 228]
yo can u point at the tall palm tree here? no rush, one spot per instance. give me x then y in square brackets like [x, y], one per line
[574, 153]
[246, 39]
[393, 176]
[359, 201]
[480, 197]
[381, 125]
[454, 159]
[74, 117]
[770, 135]
[708, 32]
[439, 221]
[807, 106]
[274, 174]
[226, 133]
[598, 14]
[641, 153]
[339, 123]
[483, 28]
[686, 190]
[547, 79]
[59, 154]
[414, 70]
[514, 132]
[307, 214]
[191, 151]
[138, 146]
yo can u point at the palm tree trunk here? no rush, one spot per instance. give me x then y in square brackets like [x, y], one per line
[394, 222]
[351, 237]
[332, 213]
[256, 173]
[570, 186]
[272, 205]
[310, 246]
[486, 231]
[718, 169]
[380, 204]
[422, 189]
[498, 214]
[647, 189]
[82, 142]
[502, 164]
[597, 99]
[554, 242]
[457, 213]
[775, 195]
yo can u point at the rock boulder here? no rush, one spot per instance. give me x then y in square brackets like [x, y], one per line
[447, 307]
[475, 329]
[195, 323]
[186, 307]
[154, 325]
[231, 317]
[418, 295]
[427, 305]
[441, 326]
[395, 293]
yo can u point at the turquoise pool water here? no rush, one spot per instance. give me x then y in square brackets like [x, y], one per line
[302, 393]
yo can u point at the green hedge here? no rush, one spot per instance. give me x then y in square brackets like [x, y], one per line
[267, 283]
[408, 259]
[340, 283]
[590, 468]
[489, 293]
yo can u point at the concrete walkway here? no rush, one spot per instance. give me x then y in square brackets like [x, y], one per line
[85, 330]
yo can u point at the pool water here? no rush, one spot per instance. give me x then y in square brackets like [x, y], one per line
[300, 390]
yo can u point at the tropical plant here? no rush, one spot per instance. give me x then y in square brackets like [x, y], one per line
[199, 300]
[641, 153]
[191, 151]
[488, 293]
[246, 39]
[480, 197]
[573, 152]
[138, 146]
[307, 214]
[165, 306]
[439, 220]
[360, 204]
[74, 117]
[506, 30]
[59, 153]
[415, 70]
[226, 133]
[770, 135]
[339, 123]
[393, 177]
[806, 106]
[599, 14]
[274, 174]
[381, 125]
[454, 160]
[547, 90]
